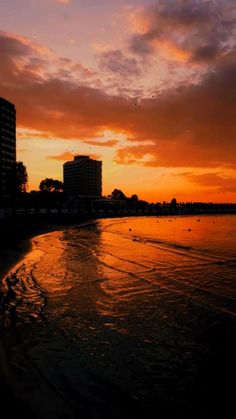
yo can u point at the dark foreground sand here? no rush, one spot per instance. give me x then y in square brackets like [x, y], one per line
[15, 235]
[15, 242]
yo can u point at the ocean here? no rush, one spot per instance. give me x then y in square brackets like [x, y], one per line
[122, 317]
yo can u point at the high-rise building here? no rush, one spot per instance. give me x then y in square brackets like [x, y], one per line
[83, 177]
[7, 144]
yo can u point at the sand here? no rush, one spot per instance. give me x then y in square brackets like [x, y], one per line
[15, 242]
[16, 234]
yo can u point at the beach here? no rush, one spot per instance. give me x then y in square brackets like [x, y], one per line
[120, 317]
[16, 236]
[16, 233]
[15, 243]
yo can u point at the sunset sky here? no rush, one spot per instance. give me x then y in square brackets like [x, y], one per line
[148, 87]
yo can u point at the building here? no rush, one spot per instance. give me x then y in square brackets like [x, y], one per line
[83, 177]
[7, 144]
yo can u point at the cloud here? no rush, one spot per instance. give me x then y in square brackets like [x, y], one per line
[216, 181]
[201, 30]
[107, 143]
[95, 156]
[20, 57]
[26, 134]
[116, 62]
[66, 156]
[192, 125]
[137, 154]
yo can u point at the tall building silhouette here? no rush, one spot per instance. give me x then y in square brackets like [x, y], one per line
[7, 144]
[83, 177]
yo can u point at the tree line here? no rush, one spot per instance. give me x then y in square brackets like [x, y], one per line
[50, 195]
[17, 181]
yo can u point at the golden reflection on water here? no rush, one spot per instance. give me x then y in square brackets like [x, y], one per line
[51, 269]
[146, 257]
[113, 264]
[110, 267]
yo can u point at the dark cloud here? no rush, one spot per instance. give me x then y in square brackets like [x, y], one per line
[141, 44]
[115, 61]
[205, 53]
[190, 126]
[193, 125]
[204, 30]
[13, 47]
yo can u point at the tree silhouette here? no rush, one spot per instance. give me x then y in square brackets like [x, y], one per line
[118, 194]
[51, 185]
[134, 198]
[17, 181]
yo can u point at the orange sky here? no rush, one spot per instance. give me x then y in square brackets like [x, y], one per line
[146, 86]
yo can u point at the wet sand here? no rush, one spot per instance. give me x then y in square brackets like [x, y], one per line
[16, 235]
[15, 242]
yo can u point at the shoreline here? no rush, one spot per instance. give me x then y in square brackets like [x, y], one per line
[16, 236]
[15, 242]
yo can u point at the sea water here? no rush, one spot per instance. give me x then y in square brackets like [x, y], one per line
[124, 317]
